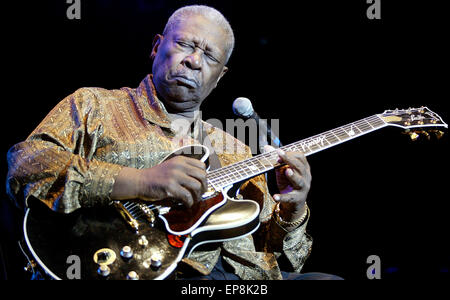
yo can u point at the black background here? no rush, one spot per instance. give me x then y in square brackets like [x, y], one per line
[314, 65]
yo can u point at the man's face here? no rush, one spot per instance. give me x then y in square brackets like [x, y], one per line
[188, 63]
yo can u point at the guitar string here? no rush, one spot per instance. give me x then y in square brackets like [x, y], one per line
[362, 128]
[219, 175]
[237, 167]
[222, 176]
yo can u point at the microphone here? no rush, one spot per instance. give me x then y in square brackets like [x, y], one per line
[242, 107]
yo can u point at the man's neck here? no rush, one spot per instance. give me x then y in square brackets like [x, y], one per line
[186, 123]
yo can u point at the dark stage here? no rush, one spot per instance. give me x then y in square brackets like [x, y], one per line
[315, 65]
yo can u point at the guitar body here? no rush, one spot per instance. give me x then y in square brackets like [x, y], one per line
[97, 236]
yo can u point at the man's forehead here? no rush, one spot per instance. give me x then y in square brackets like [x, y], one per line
[201, 29]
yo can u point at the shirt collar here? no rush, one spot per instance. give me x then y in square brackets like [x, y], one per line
[153, 109]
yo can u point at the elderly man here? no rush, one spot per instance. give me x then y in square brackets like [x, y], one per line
[101, 145]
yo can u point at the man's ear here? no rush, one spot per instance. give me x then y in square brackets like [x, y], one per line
[156, 42]
[224, 70]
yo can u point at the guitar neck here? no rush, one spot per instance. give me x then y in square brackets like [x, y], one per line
[265, 162]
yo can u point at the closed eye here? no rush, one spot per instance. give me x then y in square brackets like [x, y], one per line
[210, 56]
[185, 45]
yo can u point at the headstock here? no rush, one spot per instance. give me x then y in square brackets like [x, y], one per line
[416, 121]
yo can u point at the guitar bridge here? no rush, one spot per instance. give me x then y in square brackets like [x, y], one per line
[133, 211]
[147, 212]
[126, 215]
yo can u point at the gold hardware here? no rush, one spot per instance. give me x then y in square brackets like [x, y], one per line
[426, 134]
[413, 135]
[148, 213]
[104, 256]
[437, 133]
[391, 119]
[211, 192]
[406, 123]
[126, 215]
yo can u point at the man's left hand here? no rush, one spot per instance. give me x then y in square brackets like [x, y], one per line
[294, 181]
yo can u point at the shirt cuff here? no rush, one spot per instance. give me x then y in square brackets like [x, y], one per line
[98, 184]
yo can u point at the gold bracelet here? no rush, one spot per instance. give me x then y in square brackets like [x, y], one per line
[283, 223]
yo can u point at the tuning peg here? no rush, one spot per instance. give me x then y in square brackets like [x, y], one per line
[437, 133]
[413, 135]
[426, 134]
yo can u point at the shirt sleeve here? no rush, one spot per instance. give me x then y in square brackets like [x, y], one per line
[55, 163]
[291, 248]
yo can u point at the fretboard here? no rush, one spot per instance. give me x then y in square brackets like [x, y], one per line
[265, 162]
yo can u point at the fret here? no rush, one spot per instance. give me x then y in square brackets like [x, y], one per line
[216, 182]
[212, 185]
[330, 136]
[225, 178]
[234, 174]
[216, 175]
[313, 146]
[326, 142]
[351, 130]
[257, 165]
[377, 121]
[303, 146]
[270, 163]
[335, 135]
[246, 170]
[368, 123]
[341, 134]
[291, 147]
[365, 123]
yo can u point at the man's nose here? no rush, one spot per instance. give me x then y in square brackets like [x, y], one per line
[194, 60]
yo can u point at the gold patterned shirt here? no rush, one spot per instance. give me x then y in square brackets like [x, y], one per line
[71, 159]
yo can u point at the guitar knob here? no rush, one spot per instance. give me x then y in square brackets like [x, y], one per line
[155, 260]
[132, 276]
[103, 270]
[126, 252]
[143, 241]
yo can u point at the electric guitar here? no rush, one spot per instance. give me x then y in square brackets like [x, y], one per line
[138, 240]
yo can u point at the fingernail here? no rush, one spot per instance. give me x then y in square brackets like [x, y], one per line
[268, 148]
[281, 152]
[289, 172]
[276, 197]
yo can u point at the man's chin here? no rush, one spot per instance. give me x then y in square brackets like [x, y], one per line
[180, 105]
[179, 98]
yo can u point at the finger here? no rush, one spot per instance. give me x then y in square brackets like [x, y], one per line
[295, 160]
[195, 163]
[268, 148]
[199, 175]
[182, 194]
[295, 196]
[301, 156]
[297, 181]
[193, 185]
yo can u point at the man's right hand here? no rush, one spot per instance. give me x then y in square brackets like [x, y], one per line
[181, 178]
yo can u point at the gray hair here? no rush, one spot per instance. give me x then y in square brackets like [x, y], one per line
[208, 12]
